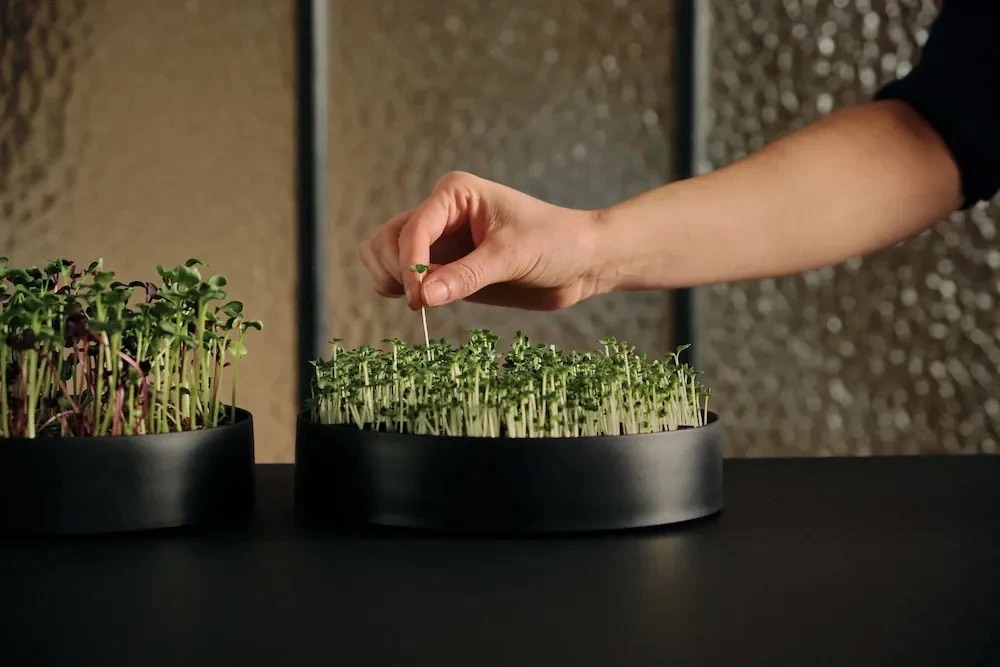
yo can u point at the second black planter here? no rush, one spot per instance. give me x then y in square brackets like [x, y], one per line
[91, 485]
[508, 484]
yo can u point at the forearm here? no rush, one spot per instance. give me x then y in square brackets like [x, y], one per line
[859, 180]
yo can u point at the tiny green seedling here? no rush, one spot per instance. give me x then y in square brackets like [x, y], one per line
[530, 390]
[420, 270]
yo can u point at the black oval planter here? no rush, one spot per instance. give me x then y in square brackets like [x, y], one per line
[92, 485]
[508, 484]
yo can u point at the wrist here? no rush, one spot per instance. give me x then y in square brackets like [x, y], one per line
[602, 274]
[641, 239]
[597, 246]
[627, 256]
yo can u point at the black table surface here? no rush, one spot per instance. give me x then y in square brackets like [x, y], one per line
[854, 562]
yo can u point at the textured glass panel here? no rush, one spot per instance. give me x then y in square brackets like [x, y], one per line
[147, 132]
[569, 101]
[895, 354]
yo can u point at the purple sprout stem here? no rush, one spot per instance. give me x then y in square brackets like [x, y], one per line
[116, 421]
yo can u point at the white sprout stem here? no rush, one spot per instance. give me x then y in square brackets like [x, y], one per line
[423, 314]
[529, 392]
[427, 338]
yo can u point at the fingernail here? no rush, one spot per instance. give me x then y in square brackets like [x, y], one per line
[435, 292]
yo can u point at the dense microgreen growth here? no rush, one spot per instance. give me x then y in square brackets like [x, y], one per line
[531, 390]
[84, 354]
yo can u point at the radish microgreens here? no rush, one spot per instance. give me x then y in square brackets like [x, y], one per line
[86, 355]
[531, 390]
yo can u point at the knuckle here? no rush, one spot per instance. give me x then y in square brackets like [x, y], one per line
[452, 179]
[470, 276]
[407, 235]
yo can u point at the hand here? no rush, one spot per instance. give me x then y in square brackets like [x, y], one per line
[485, 243]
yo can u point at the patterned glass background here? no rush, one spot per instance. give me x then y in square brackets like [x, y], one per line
[570, 101]
[148, 132]
[893, 354]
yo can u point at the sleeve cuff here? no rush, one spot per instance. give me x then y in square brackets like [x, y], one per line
[955, 87]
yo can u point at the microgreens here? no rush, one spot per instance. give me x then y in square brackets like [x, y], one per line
[420, 270]
[531, 390]
[81, 356]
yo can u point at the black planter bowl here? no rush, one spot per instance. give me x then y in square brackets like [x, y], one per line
[110, 484]
[527, 485]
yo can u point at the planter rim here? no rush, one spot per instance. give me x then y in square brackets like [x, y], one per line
[98, 485]
[242, 415]
[714, 421]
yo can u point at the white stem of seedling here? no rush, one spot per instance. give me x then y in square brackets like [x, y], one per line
[529, 391]
[420, 270]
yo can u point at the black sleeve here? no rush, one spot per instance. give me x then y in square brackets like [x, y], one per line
[955, 86]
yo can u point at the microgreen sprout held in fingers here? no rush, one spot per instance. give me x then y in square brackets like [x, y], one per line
[420, 270]
[531, 390]
[85, 354]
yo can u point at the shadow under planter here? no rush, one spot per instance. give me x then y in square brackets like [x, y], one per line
[108, 484]
[528, 485]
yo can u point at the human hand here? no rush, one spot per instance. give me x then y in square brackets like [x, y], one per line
[486, 243]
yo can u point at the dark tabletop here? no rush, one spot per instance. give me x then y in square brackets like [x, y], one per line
[813, 562]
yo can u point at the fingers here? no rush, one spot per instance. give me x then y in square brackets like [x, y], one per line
[379, 254]
[385, 284]
[452, 202]
[464, 277]
[407, 240]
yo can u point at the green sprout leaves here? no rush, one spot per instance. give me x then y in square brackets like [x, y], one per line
[529, 390]
[86, 354]
[237, 349]
[419, 268]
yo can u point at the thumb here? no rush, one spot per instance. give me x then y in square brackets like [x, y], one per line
[464, 277]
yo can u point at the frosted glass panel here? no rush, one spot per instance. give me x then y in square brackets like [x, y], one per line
[895, 354]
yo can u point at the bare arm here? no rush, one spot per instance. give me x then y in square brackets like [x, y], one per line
[856, 181]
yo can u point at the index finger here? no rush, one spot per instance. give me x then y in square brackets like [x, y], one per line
[423, 228]
[429, 222]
